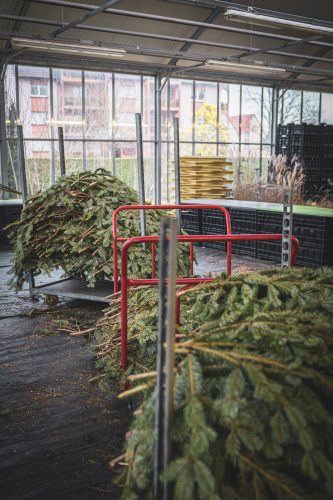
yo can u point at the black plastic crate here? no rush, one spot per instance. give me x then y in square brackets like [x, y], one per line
[269, 250]
[312, 176]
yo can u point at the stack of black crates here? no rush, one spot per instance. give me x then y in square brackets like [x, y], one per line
[314, 145]
[315, 233]
[9, 213]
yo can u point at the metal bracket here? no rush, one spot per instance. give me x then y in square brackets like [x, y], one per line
[287, 226]
[165, 355]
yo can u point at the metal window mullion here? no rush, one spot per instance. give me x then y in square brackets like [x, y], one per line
[18, 109]
[17, 93]
[302, 97]
[217, 118]
[53, 161]
[320, 103]
[83, 118]
[193, 116]
[240, 133]
[168, 164]
[3, 132]
[157, 170]
[113, 117]
[261, 130]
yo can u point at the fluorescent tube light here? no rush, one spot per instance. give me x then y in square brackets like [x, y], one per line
[257, 65]
[250, 17]
[77, 48]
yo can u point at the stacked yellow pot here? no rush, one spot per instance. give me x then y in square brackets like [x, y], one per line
[205, 177]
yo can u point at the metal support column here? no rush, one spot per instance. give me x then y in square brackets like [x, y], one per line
[287, 227]
[165, 355]
[61, 151]
[24, 189]
[3, 136]
[23, 173]
[83, 118]
[158, 159]
[53, 160]
[141, 171]
[177, 166]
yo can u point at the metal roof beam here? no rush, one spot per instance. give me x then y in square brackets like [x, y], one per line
[84, 18]
[152, 69]
[158, 52]
[156, 36]
[308, 64]
[186, 22]
[198, 32]
[277, 47]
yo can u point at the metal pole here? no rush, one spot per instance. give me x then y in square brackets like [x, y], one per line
[3, 133]
[23, 173]
[53, 161]
[170, 345]
[177, 165]
[158, 161]
[165, 357]
[141, 172]
[287, 226]
[24, 189]
[61, 151]
[161, 358]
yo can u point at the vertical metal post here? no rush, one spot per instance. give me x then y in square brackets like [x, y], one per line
[113, 114]
[23, 173]
[275, 116]
[261, 131]
[61, 151]
[165, 357]
[83, 118]
[177, 165]
[193, 115]
[217, 118]
[239, 165]
[3, 134]
[141, 171]
[287, 226]
[158, 159]
[168, 159]
[24, 189]
[170, 344]
[53, 161]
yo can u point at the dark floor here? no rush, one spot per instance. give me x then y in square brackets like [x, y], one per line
[58, 432]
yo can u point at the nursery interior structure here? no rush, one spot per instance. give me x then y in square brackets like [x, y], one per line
[166, 249]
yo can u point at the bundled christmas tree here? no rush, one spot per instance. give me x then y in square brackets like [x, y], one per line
[69, 226]
[252, 393]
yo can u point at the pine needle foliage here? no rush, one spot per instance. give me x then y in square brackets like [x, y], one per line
[69, 226]
[252, 394]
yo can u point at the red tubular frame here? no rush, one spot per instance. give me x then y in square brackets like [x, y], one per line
[128, 282]
[117, 239]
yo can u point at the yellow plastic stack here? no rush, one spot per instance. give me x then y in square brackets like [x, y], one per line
[205, 177]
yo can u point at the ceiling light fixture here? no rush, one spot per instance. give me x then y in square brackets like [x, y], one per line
[252, 17]
[77, 48]
[257, 65]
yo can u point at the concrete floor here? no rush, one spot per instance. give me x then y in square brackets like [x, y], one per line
[58, 431]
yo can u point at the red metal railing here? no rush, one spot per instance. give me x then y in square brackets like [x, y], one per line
[117, 239]
[127, 282]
